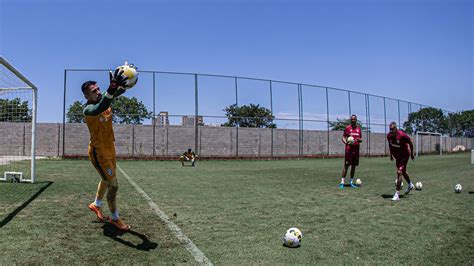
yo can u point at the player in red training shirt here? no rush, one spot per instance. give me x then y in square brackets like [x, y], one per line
[399, 142]
[351, 157]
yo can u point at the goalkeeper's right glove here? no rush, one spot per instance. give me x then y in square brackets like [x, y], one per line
[116, 81]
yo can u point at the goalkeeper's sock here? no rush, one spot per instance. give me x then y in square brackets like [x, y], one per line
[98, 202]
[343, 180]
[115, 216]
[352, 180]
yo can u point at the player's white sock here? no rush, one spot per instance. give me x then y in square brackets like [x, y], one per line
[343, 180]
[98, 202]
[115, 216]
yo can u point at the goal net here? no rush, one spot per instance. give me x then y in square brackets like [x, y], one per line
[429, 142]
[17, 125]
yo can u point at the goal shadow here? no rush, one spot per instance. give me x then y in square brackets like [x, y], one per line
[12, 215]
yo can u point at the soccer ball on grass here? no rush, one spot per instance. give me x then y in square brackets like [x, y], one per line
[129, 71]
[358, 182]
[292, 237]
[458, 188]
[418, 186]
[396, 183]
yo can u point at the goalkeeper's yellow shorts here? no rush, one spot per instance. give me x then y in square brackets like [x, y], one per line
[105, 165]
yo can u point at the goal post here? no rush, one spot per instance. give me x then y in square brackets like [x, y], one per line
[418, 141]
[18, 105]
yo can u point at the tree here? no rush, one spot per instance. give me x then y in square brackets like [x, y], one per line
[341, 124]
[14, 111]
[252, 115]
[461, 123]
[426, 119]
[74, 113]
[126, 111]
[129, 111]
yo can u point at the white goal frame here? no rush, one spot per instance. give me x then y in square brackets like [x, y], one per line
[417, 144]
[34, 90]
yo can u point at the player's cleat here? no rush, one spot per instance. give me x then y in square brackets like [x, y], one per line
[97, 211]
[395, 197]
[409, 188]
[353, 185]
[119, 224]
[341, 185]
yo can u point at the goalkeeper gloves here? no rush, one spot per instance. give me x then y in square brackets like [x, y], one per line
[116, 81]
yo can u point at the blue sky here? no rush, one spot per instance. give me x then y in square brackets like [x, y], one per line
[420, 51]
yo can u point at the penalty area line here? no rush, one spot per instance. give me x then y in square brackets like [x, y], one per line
[190, 246]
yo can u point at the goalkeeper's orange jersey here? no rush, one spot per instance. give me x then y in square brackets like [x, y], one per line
[101, 132]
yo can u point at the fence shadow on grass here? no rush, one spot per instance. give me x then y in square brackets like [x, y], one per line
[22, 206]
[114, 233]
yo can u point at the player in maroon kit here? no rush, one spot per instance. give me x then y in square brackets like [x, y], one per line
[399, 142]
[352, 149]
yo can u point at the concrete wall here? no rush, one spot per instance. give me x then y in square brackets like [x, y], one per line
[15, 139]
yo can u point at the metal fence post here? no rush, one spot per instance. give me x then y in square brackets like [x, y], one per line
[154, 117]
[238, 123]
[327, 115]
[271, 110]
[196, 113]
[367, 123]
[349, 99]
[300, 111]
[64, 112]
[399, 121]
[385, 125]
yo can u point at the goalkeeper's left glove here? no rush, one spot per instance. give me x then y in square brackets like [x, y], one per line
[116, 81]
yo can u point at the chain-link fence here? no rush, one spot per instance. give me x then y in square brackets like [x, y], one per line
[187, 110]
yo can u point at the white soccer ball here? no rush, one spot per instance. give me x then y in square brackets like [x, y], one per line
[129, 71]
[358, 182]
[396, 183]
[457, 188]
[350, 140]
[418, 186]
[292, 237]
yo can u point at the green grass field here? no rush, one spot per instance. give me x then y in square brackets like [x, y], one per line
[236, 212]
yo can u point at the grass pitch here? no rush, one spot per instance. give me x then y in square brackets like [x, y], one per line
[236, 212]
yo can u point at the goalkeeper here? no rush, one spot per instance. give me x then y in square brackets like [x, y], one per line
[98, 116]
[188, 156]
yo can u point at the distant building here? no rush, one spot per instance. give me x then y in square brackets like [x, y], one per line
[162, 119]
[188, 120]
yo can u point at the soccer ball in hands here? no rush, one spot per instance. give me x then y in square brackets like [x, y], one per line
[418, 186]
[358, 182]
[457, 188]
[129, 71]
[350, 140]
[292, 237]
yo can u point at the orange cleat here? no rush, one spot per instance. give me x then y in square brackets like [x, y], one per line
[119, 224]
[97, 211]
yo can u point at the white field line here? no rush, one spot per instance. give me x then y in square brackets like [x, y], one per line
[198, 255]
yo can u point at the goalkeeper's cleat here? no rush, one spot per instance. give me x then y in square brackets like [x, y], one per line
[341, 185]
[395, 197]
[97, 211]
[409, 188]
[353, 185]
[120, 224]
